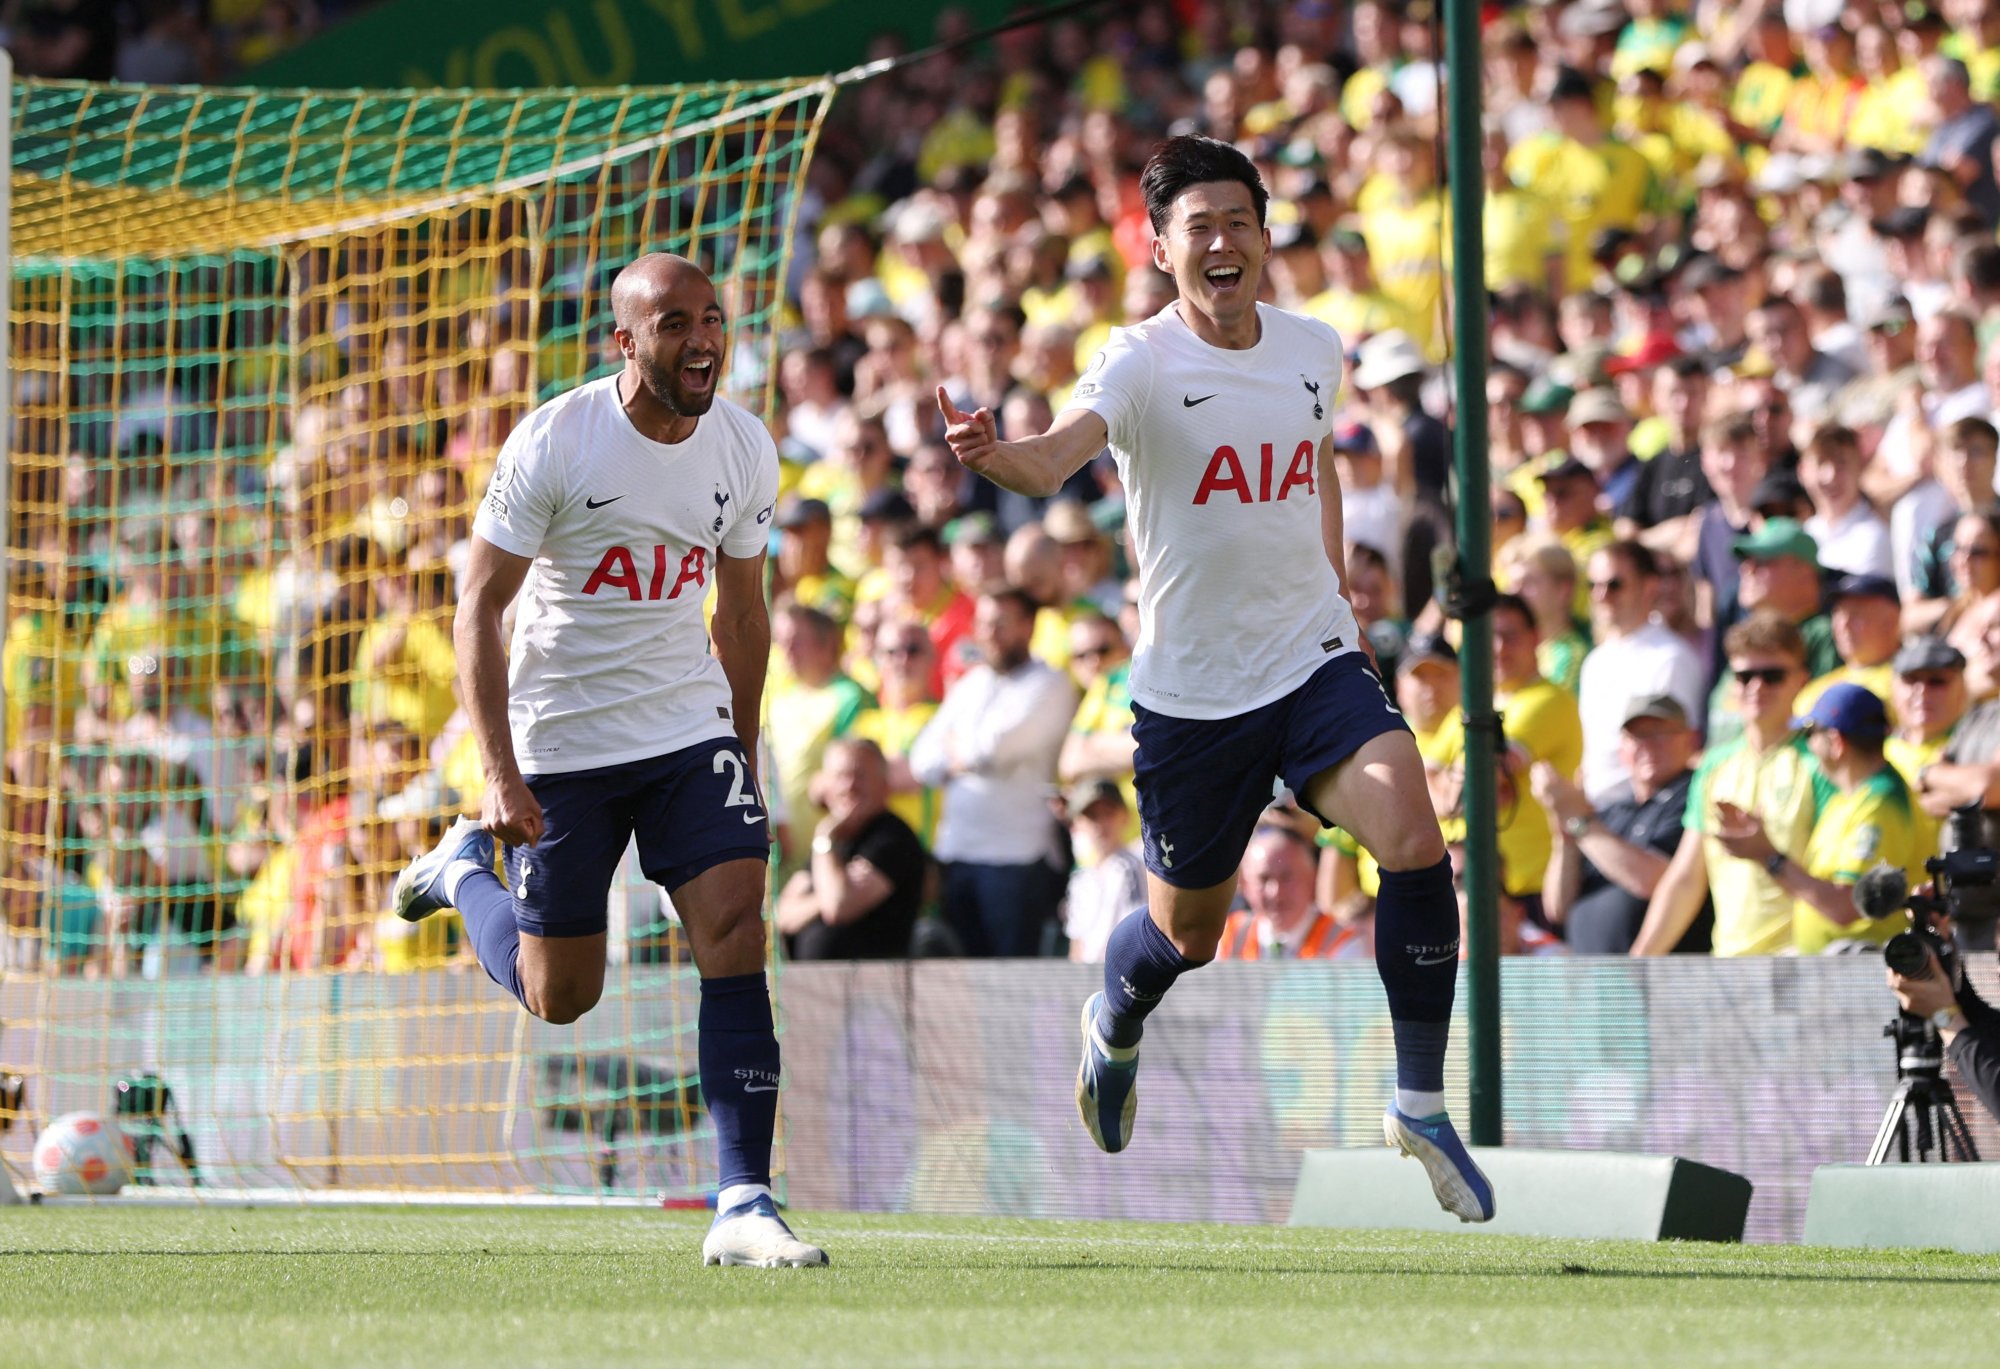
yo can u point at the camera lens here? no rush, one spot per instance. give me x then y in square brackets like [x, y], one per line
[1905, 953]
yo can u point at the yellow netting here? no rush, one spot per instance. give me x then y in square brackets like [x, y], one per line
[266, 346]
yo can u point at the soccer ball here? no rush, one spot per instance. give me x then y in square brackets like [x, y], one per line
[82, 1153]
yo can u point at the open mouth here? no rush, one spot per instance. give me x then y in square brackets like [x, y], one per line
[1223, 278]
[699, 375]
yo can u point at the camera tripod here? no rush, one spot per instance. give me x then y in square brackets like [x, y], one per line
[1923, 1115]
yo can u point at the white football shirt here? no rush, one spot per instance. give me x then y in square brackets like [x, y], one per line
[610, 658]
[1219, 454]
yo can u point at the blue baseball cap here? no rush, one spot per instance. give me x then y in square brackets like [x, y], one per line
[1849, 710]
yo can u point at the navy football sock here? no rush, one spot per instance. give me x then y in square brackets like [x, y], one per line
[1140, 965]
[738, 1051]
[1416, 952]
[488, 910]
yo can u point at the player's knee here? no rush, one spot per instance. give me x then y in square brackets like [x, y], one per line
[561, 1004]
[738, 944]
[1416, 846]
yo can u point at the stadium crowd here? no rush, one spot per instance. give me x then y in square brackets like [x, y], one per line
[1744, 289]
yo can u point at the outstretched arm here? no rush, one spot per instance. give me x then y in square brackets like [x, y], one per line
[1034, 466]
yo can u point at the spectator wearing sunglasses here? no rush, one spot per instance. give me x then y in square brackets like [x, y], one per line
[1768, 775]
[1636, 655]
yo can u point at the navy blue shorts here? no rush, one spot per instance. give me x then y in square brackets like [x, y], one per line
[1203, 781]
[692, 810]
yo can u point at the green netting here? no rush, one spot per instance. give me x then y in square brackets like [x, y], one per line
[266, 346]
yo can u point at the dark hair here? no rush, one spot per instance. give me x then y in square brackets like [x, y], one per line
[1973, 429]
[1635, 554]
[1689, 367]
[1010, 594]
[1189, 160]
[1517, 604]
[911, 535]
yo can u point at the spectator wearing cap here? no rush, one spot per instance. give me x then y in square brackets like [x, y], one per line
[1778, 568]
[1869, 820]
[1766, 773]
[803, 569]
[1085, 555]
[1961, 142]
[1354, 301]
[1965, 463]
[1808, 376]
[978, 551]
[1279, 920]
[1851, 537]
[1371, 513]
[1635, 655]
[1900, 233]
[859, 896]
[920, 589]
[1600, 431]
[1928, 701]
[1664, 505]
[1109, 882]
[1544, 410]
[1571, 514]
[905, 660]
[1600, 184]
[1867, 628]
[1608, 860]
[1388, 380]
[992, 748]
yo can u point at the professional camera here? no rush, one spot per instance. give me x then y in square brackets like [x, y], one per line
[1965, 886]
[1923, 1116]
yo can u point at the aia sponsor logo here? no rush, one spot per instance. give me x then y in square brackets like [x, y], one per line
[1226, 475]
[619, 569]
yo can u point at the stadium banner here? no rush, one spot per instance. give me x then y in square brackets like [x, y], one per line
[506, 44]
[947, 1086]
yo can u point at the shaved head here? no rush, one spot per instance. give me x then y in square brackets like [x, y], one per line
[644, 281]
[670, 328]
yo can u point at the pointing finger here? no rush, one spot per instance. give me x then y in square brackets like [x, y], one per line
[951, 411]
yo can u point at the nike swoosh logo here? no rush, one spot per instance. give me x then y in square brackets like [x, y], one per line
[1187, 403]
[1434, 959]
[749, 818]
[600, 503]
[760, 1088]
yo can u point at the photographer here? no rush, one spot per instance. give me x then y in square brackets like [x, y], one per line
[1969, 1027]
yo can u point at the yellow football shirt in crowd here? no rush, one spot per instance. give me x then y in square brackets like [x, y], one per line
[1856, 831]
[1782, 786]
[895, 731]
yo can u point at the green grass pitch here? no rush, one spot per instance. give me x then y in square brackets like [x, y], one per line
[442, 1288]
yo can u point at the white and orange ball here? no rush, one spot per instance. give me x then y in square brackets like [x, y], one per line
[80, 1152]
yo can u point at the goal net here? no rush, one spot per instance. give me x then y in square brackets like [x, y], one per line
[265, 347]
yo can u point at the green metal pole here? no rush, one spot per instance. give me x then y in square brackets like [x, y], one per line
[1475, 553]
